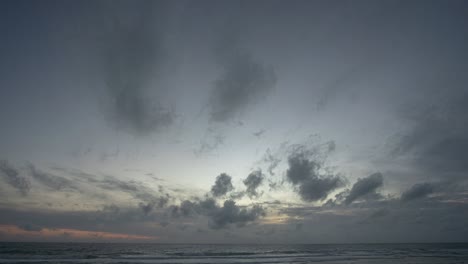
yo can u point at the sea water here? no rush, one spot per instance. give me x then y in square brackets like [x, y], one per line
[171, 253]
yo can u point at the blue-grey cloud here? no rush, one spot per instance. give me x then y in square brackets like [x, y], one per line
[220, 216]
[13, 177]
[210, 142]
[244, 81]
[230, 213]
[417, 191]
[222, 185]
[252, 182]
[305, 174]
[132, 52]
[438, 141]
[364, 187]
[52, 181]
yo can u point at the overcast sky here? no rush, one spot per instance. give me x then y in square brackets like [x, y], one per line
[234, 121]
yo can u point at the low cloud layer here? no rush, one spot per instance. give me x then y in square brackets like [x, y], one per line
[220, 216]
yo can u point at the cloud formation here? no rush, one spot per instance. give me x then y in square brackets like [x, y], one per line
[364, 187]
[252, 182]
[312, 185]
[244, 81]
[230, 213]
[219, 216]
[12, 176]
[417, 191]
[210, 141]
[132, 52]
[50, 180]
[437, 142]
[222, 185]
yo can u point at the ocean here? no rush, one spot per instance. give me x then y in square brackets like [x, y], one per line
[170, 253]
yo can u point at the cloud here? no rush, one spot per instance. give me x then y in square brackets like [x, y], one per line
[219, 216]
[364, 187]
[314, 189]
[30, 227]
[244, 81]
[210, 141]
[13, 231]
[12, 176]
[417, 191]
[222, 185]
[252, 182]
[95, 188]
[312, 184]
[133, 53]
[272, 161]
[230, 213]
[437, 142]
[158, 202]
[135, 189]
[52, 181]
[259, 133]
[336, 86]
[111, 216]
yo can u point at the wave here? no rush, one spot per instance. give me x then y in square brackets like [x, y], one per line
[152, 253]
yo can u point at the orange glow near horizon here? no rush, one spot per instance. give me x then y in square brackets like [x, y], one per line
[13, 230]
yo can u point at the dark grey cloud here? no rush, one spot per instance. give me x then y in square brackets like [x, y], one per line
[156, 202]
[437, 142]
[220, 216]
[364, 187]
[112, 218]
[330, 90]
[417, 191]
[314, 189]
[300, 169]
[85, 183]
[50, 180]
[244, 81]
[252, 182]
[13, 177]
[310, 182]
[230, 213]
[150, 198]
[222, 185]
[146, 208]
[132, 53]
[402, 221]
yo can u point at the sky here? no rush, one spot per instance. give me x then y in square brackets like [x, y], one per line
[234, 121]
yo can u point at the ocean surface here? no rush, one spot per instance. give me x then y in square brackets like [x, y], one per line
[160, 253]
